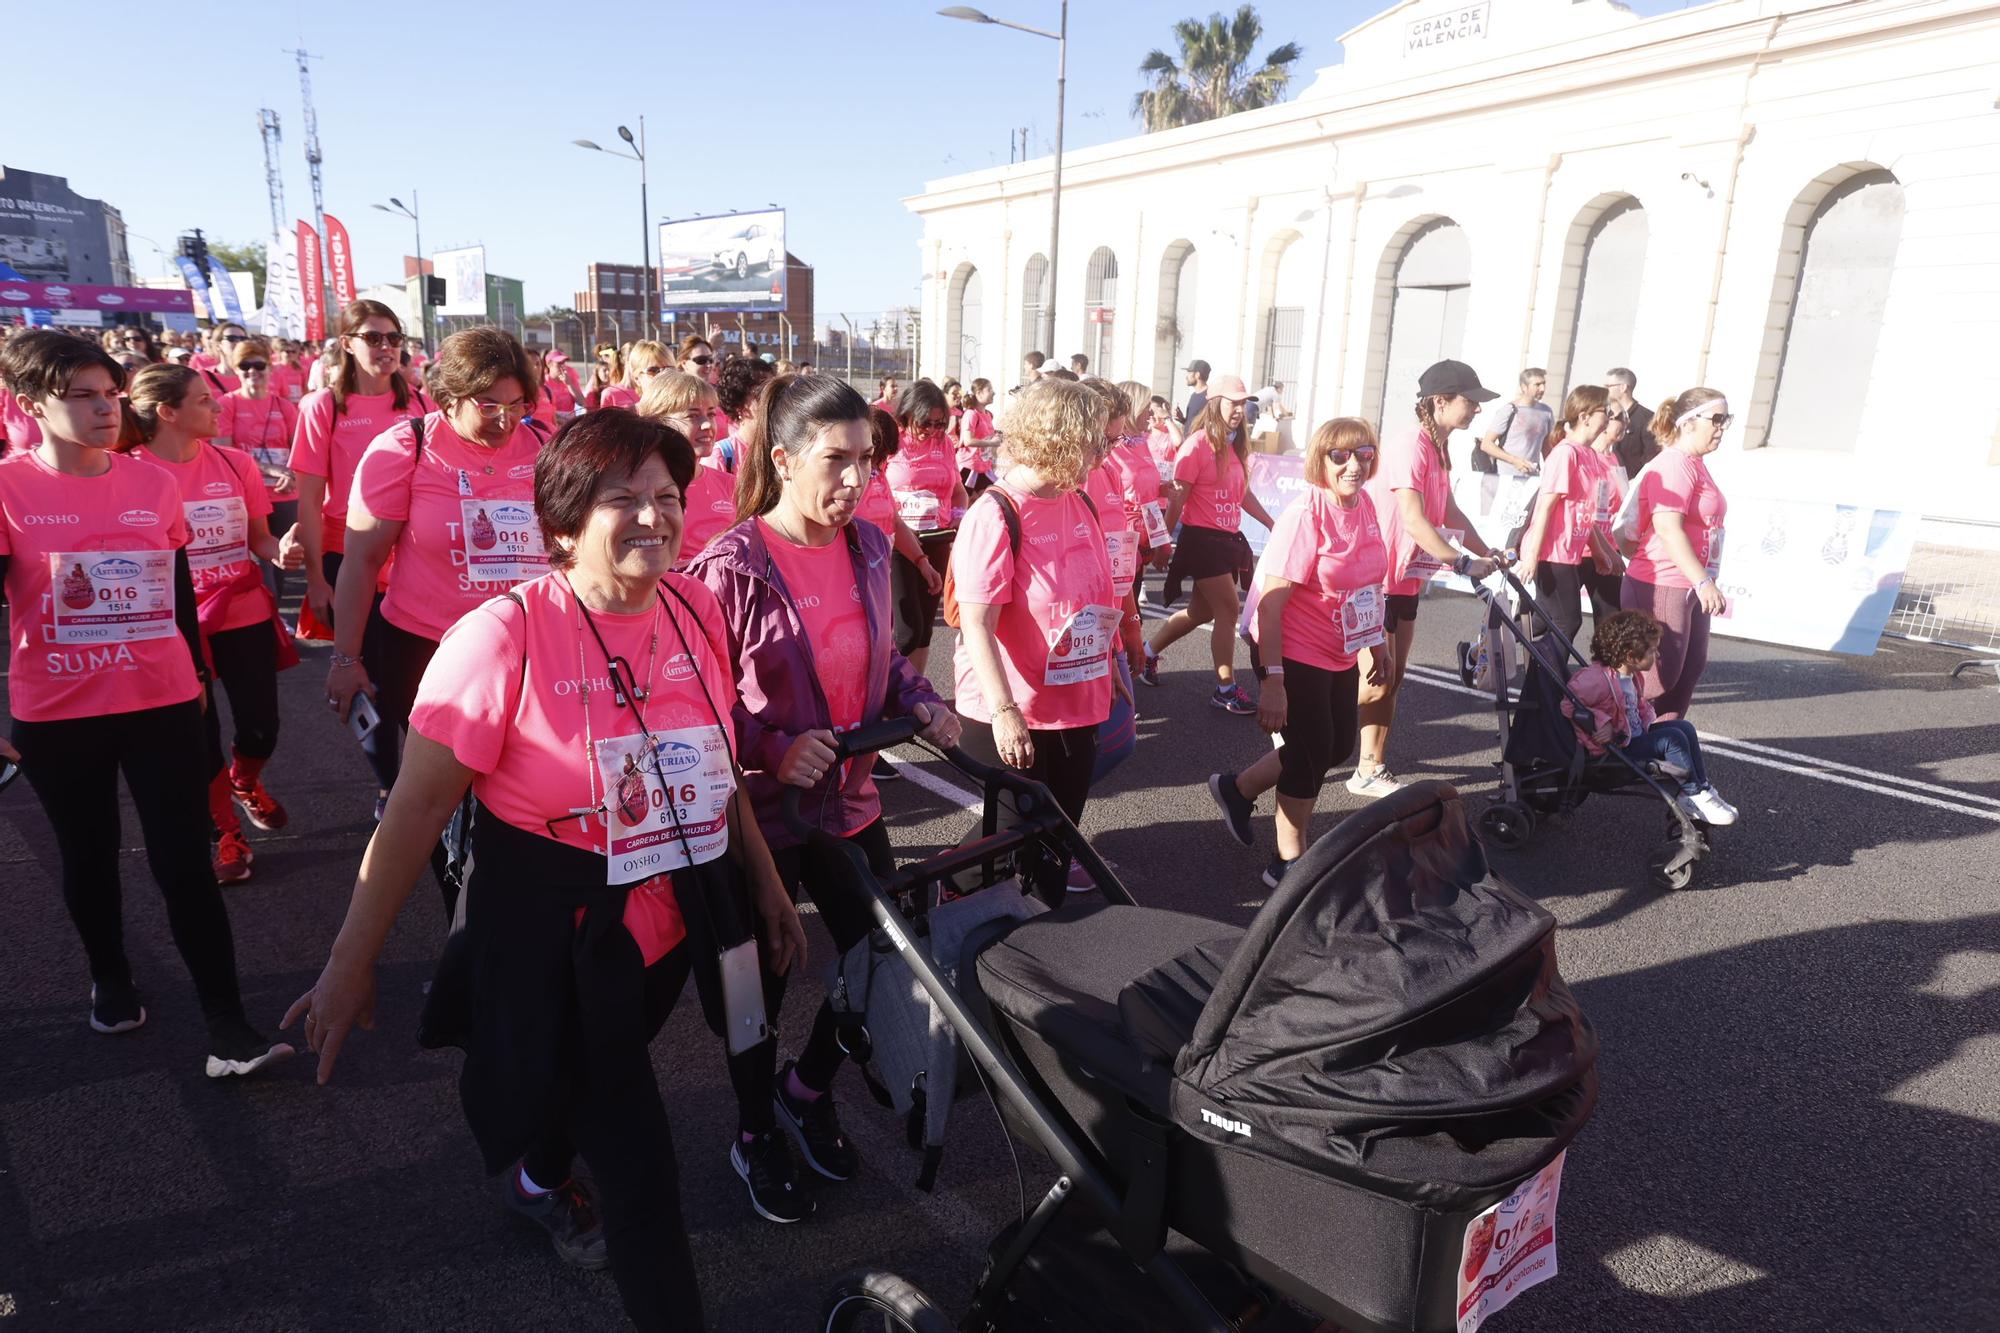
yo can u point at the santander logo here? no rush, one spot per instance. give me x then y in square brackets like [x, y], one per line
[138, 518]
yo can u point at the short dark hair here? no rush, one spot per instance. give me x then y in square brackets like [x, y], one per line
[738, 382]
[1533, 373]
[1623, 639]
[610, 442]
[470, 363]
[791, 412]
[1035, 359]
[1079, 363]
[43, 364]
[1062, 373]
[917, 401]
[888, 439]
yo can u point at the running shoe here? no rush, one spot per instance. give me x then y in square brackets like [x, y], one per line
[234, 1047]
[1708, 807]
[259, 806]
[816, 1128]
[1232, 698]
[232, 857]
[569, 1214]
[1235, 806]
[772, 1177]
[1723, 801]
[115, 1007]
[884, 771]
[1374, 784]
[1150, 673]
[1274, 873]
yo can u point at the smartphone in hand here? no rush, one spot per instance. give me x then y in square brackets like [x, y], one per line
[362, 719]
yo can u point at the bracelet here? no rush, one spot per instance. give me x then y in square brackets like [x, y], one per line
[1274, 671]
[341, 659]
[1009, 707]
[1706, 579]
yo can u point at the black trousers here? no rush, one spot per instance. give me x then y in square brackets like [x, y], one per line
[1065, 761]
[383, 746]
[1321, 724]
[246, 664]
[624, 1136]
[1560, 588]
[73, 766]
[284, 513]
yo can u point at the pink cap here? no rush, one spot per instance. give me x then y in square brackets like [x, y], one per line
[1228, 386]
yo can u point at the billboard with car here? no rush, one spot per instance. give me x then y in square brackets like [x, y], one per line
[735, 261]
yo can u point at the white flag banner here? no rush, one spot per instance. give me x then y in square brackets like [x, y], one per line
[283, 280]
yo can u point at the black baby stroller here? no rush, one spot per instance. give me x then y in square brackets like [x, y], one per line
[1317, 1117]
[1544, 768]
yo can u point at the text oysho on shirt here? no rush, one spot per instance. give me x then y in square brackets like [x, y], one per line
[90, 592]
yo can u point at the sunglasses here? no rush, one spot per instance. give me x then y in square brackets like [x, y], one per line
[701, 360]
[249, 367]
[935, 423]
[234, 337]
[500, 411]
[1339, 457]
[650, 371]
[380, 340]
[1721, 419]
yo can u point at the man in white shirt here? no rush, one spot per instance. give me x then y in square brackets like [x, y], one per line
[1515, 431]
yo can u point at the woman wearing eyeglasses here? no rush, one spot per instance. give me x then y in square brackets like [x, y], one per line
[574, 952]
[1672, 574]
[695, 357]
[930, 499]
[451, 496]
[643, 361]
[259, 421]
[1563, 551]
[1316, 623]
[107, 676]
[688, 405]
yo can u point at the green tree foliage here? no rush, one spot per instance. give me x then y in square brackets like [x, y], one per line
[239, 258]
[1214, 75]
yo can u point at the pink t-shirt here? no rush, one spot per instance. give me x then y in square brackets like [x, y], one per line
[878, 504]
[1045, 594]
[821, 582]
[1408, 463]
[511, 707]
[971, 458]
[222, 496]
[1160, 444]
[560, 394]
[618, 396]
[222, 381]
[1329, 554]
[709, 509]
[977, 424]
[1131, 462]
[90, 589]
[23, 431]
[287, 382]
[1680, 483]
[922, 476]
[330, 448]
[1121, 539]
[468, 513]
[261, 427]
[1215, 490]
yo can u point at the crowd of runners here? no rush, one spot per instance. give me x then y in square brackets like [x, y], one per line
[587, 630]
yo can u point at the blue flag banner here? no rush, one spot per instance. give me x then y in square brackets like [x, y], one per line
[224, 286]
[204, 299]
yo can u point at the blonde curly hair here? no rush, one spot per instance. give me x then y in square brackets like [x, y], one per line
[1055, 427]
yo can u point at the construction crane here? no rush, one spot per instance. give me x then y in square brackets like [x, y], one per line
[274, 176]
[312, 143]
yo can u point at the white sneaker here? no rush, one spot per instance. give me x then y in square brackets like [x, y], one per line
[1706, 806]
[1733, 811]
[1374, 784]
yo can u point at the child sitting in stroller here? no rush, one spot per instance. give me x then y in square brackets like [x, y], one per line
[1622, 646]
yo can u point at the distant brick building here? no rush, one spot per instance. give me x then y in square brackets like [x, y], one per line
[615, 308]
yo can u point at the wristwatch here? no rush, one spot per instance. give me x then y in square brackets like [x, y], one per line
[1274, 671]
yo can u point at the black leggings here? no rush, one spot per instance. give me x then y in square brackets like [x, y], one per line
[246, 664]
[1560, 588]
[403, 657]
[625, 1138]
[1065, 761]
[1320, 726]
[915, 605]
[73, 766]
[383, 747]
[284, 513]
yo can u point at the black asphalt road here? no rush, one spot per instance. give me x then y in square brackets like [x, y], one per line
[1800, 1125]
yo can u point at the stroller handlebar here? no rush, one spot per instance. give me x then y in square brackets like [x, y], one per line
[877, 736]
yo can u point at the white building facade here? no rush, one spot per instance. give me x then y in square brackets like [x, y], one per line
[1795, 201]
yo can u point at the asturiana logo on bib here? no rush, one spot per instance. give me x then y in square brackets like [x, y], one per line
[521, 472]
[678, 757]
[138, 518]
[205, 513]
[114, 568]
[509, 515]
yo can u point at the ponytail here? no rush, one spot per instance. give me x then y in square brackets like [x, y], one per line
[1667, 420]
[791, 412]
[150, 390]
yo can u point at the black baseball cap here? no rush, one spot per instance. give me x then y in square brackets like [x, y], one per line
[1448, 379]
[1198, 367]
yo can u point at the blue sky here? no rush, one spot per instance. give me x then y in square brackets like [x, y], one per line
[834, 111]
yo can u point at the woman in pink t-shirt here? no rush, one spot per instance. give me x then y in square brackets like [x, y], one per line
[1211, 495]
[1316, 620]
[1038, 622]
[565, 393]
[805, 599]
[1421, 523]
[1672, 574]
[450, 496]
[287, 380]
[643, 361]
[106, 675]
[261, 422]
[228, 516]
[688, 405]
[587, 714]
[1560, 555]
[930, 498]
[695, 356]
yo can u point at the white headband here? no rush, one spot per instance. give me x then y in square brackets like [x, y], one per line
[1689, 415]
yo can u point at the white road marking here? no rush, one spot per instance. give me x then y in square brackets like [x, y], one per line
[970, 801]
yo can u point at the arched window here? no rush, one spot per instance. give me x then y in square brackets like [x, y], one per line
[1100, 309]
[1284, 304]
[963, 326]
[1034, 305]
[1426, 283]
[1846, 257]
[1599, 301]
[1174, 326]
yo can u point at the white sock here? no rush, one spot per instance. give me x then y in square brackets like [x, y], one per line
[528, 1186]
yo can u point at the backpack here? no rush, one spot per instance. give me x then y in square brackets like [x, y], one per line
[1485, 462]
[1012, 517]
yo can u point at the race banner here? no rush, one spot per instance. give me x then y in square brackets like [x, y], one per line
[284, 280]
[224, 288]
[312, 282]
[73, 296]
[1277, 480]
[204, 300]
[339, 261]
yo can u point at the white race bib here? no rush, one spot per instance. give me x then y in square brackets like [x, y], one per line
[1155, 517]
[656, 796]
[1424, 565]
[502, 541]
[111, 596]
[1361, 615]
[1600, 509]
[919, 510]
[1714, 558]
[1081, 650]
[1123, 544]
[219, 533]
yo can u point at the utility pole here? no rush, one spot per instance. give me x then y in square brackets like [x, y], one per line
[850, 347]
[312, 149]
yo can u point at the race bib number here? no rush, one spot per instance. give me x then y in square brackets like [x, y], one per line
[1424, 565]
[920, 511]
[276, 456]
[1081, 650]
[219, 533]
[1155, 517]
[1600, 506]
[111, 596]
[1361, 616]
[1123, 544]
[666, 801]
[1509, 1248]
[502, 541]
[1714, 558]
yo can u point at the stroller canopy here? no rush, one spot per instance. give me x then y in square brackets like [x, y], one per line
[1393, 1017]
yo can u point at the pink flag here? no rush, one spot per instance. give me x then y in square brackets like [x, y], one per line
[339, 261]
[312, 281]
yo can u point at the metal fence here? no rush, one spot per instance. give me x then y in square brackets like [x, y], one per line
[1951, 592]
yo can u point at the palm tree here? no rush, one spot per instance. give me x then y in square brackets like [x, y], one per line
[1214, 76]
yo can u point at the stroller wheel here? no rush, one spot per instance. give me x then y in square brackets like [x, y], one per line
[1672, 867]
[868, 1300]
[1507, 824]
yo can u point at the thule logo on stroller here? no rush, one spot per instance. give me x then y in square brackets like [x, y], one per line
[1224, 1122]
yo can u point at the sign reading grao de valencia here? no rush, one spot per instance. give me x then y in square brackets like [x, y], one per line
[1460, 23]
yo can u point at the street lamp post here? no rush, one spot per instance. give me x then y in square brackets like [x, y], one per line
[638, 154]
[1061, 38]
[410, 211]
